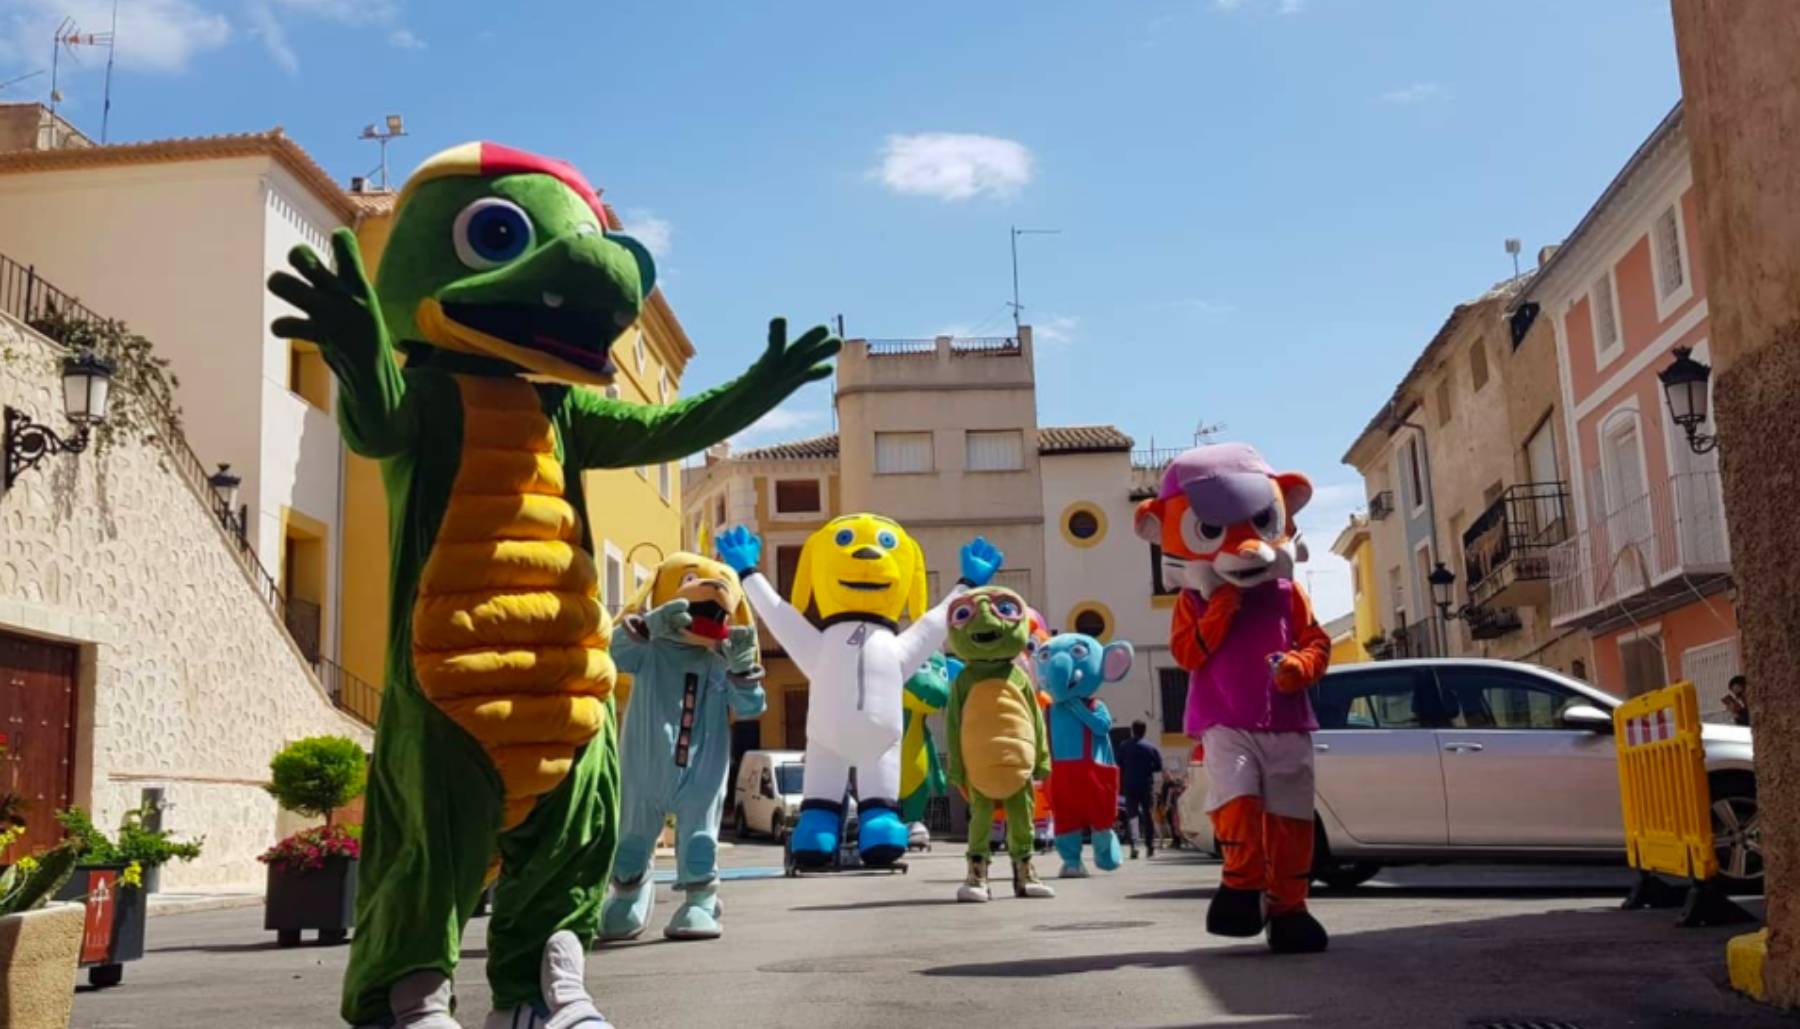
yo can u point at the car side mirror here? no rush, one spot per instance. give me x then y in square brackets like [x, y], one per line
[1589, 717]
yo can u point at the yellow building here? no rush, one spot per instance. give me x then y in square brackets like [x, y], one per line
[1355, 546]
[634, 513]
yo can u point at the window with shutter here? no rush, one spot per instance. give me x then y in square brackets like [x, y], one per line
[1670, 273]
[995, 451]
[1606, 318]
[902, 453]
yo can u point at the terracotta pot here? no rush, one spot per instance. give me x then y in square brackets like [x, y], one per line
[38, 954]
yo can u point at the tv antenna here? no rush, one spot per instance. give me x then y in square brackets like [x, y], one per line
[1204, 431]
[395, 127]
[68, 37]
[1513, 247]
[1016, 233]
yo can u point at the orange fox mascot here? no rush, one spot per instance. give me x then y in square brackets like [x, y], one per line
[1246, 633]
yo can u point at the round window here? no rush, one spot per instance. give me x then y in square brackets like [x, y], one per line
[1090, 622]
[1083, 525]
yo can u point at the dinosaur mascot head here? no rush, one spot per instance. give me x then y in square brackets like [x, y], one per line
[504, 262]
[861, 564]
[1223, 516]
[715, 598]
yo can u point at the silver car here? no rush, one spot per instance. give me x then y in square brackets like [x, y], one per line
[1471, 760]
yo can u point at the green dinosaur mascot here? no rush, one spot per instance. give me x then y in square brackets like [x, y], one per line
[995, 725]
[496, 748]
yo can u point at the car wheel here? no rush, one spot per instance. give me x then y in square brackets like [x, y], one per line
[1737, 832]
[1334, 873]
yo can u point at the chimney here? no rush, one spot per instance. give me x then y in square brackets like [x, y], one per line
[1546, 253]
[359, 184]
[718, 452]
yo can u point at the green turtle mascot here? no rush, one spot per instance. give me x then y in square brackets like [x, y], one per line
[506, 287]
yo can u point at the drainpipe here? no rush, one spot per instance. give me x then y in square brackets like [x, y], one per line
[1430, 520]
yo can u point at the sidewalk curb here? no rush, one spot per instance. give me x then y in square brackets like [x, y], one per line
[184, 904]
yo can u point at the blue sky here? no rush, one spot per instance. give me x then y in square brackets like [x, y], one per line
[1266, 206]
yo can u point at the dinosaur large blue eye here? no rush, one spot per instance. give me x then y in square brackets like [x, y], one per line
[887, 540]
[491, 232]
[844, 537]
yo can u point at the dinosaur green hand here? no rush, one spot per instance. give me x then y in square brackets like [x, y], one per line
[340, 309]
[785, 367]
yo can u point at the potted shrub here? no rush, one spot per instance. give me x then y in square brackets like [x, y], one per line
[109, 875]
[312, 874]
[40, 941]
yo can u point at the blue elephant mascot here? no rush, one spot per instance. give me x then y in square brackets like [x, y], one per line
[1084, 776]
[860, 574]
[690, 646]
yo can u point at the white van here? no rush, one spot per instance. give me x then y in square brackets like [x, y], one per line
[766, 798]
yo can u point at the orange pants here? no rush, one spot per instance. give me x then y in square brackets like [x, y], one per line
[1265, 852]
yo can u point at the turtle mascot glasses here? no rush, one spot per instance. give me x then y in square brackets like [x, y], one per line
[689, 645]
[1245, 631]
[506, 285]
[859, 574]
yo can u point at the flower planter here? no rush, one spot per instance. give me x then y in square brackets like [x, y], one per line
[113, 930]
[38, 955]
[312, 898]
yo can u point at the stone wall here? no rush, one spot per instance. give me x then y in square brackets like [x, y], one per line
[188, 680]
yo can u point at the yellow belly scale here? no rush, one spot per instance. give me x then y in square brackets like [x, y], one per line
[509, 638]
[999, 739]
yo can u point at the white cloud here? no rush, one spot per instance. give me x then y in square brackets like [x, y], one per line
[1056, 330]
[1417, 93]
[783, 422]
[265, 27]
[1320, 522]
[954, 165]
[655, 233]
[1281, 6]
[153, 35]
[404, 39]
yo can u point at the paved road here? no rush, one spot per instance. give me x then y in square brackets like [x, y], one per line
[1422, 948]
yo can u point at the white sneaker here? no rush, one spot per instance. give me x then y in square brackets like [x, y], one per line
[422, 1001]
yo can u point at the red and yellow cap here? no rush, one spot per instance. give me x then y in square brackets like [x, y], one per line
[492, 160]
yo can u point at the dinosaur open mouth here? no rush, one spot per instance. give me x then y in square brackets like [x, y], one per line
[986, 636]
[710, 620]
[554, 331]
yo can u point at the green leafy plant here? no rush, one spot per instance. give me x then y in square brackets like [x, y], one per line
[317, 775]
[29, 882]
[137, 843]
[141, 406]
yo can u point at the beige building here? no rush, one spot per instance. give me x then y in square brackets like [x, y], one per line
[1465, 468]
[949, 445]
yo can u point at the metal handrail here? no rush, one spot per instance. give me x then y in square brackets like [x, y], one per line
[28, 297]
[1155, 457]
[1518, 529]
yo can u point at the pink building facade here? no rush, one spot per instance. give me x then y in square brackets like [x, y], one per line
[1647, 572]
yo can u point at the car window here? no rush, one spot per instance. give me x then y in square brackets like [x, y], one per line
[792, 778]
[1394, 698]
[1491, 698]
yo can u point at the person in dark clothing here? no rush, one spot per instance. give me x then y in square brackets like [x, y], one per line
[1737, 702]
[1140, 763]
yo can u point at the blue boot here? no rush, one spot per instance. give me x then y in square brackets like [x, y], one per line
[1106, 850]
[698, 916]
[881, 835]
[627, 908]
[814, 840]
[1068, 845]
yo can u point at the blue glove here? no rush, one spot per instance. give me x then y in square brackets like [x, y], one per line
[953, 666]
[740, 548]
[980, 560]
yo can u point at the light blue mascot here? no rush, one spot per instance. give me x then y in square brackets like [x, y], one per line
[690, 647]
[1084, 776]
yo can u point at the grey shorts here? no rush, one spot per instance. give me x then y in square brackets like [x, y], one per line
[1276, 766]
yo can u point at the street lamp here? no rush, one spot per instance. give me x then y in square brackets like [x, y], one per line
[86, 381]
[1685, 382]
[225, 483]
[1442, 581]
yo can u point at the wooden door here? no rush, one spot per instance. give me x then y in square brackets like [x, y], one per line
[793, 719]
[37, 720]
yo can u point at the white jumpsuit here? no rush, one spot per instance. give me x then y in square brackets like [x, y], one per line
[856, 670]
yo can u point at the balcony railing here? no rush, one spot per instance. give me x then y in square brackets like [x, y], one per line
[1156, 458]
[1654, 544]
[1507, 551]
[902, 347]
[1381, 505]
[957, 346]
[29, 298]
[352, 695]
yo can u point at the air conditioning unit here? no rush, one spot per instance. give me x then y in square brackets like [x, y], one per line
[1381, 505]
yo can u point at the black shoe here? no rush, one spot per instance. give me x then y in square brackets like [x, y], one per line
[1235, 912]
[1134, 853]
[1297, 932]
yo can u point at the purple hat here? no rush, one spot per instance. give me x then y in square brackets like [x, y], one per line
[1224, 483]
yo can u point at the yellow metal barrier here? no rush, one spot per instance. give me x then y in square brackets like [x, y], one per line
[1667, 804]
